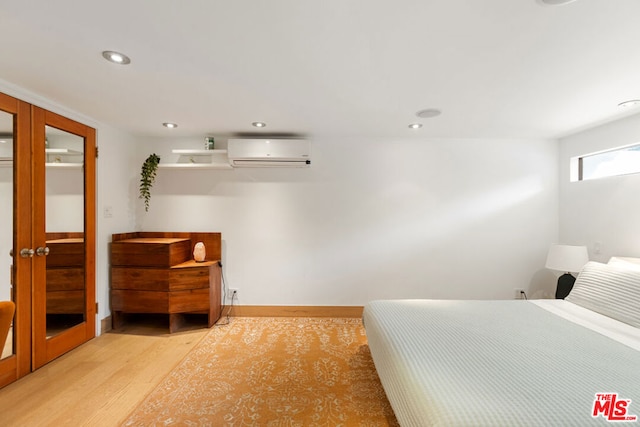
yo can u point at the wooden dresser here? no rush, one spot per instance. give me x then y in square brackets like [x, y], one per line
[65, 273]
[154, 272]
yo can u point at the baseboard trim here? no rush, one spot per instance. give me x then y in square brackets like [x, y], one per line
[294, 311]
[105, 325]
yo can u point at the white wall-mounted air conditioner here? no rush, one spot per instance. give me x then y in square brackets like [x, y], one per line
[269, 153]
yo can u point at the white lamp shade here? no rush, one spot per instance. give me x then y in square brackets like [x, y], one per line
[567, 258]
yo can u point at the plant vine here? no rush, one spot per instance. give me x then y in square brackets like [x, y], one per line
[148, 177]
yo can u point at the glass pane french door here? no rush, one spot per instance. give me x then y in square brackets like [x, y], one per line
[47, 235]
[15, 235]
[63, 235]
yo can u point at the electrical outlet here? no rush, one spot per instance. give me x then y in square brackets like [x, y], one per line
[518, 293]
[233, 294]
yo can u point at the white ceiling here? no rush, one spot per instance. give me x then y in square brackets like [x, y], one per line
[496, 68]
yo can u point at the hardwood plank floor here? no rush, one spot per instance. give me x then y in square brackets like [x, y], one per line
[102, 381]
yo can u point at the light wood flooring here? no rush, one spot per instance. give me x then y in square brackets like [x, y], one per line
[102, 381]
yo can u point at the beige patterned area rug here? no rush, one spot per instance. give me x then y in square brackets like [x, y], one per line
[272, 372]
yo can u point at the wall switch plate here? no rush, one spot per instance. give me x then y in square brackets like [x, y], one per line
[597, 248]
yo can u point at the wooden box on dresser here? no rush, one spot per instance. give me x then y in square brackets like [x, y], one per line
[154, 272]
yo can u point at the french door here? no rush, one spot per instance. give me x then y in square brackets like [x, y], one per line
[15, 183]
[49, 175]
[63, 235]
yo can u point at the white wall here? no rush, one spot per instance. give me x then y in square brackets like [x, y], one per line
[603, 213]
[64, 186]
[6, 230]
[373, 219]
[6, 207]
[117, 178]
[370, 219]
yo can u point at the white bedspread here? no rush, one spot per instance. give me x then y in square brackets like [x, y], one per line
[487, 363]
[618, 331]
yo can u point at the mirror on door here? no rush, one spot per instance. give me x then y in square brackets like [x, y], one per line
[6, 224]
[65, 273]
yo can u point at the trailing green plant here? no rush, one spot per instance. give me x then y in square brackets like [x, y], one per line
[148, 177]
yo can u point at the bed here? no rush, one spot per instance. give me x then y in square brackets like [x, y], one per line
[514, 362]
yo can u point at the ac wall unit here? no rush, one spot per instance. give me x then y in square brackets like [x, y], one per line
[269, 153]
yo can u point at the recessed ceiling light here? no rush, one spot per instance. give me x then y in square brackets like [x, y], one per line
[428, 113]
[555, 2]
[630, 103]
[116, 57]
[415, 125]
[170, 125]
[258, 124]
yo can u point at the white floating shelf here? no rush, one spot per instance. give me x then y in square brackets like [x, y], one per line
[194, 166]
[9, 163]
[63, 165]
[63, 151]
[217, 159]
[199, 152]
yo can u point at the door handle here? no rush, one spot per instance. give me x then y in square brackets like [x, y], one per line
[27, 252]
[42, 251]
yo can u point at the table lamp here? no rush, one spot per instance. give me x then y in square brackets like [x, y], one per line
[568, 259]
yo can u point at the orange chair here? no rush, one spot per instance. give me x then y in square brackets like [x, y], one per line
[7, 309]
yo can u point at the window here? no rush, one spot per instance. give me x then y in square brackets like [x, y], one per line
[619, 161]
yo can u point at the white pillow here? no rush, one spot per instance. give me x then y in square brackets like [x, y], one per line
[609, 289]
[625, 262]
